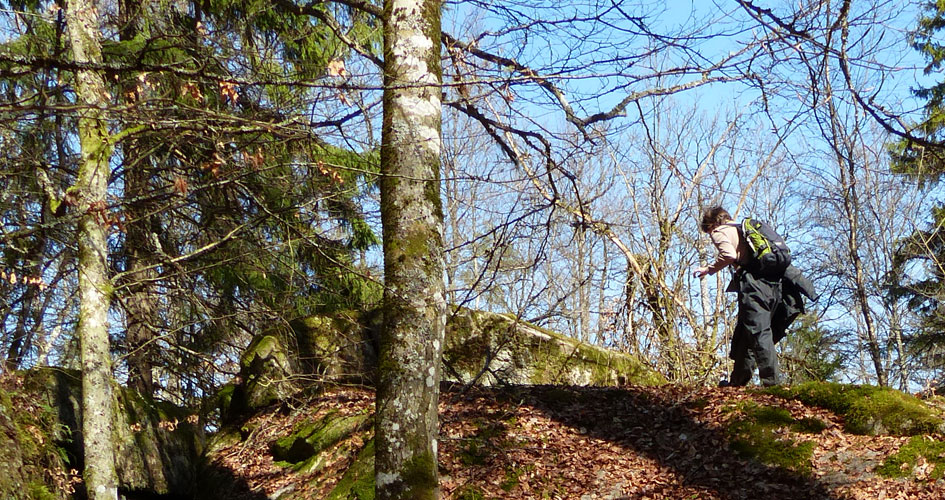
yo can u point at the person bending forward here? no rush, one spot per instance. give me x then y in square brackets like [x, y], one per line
[752, 341]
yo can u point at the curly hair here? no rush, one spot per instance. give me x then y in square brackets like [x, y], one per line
[712, 217]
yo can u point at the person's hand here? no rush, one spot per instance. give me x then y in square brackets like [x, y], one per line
[701, 272]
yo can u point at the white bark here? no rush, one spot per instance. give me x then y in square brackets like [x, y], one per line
[415, 303]
[101, 480]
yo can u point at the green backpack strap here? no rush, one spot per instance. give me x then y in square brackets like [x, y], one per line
[760, 245]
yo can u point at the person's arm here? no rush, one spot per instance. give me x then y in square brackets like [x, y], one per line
[722, 238]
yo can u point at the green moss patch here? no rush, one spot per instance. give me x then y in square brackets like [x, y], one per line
[757, 433]
[924, 455]
[358, 480]
[39, 491]
[32, 466]
[513, 477]
[312, 437]
[224, 398]
[470, 493]
[868, 410]
[473, 453]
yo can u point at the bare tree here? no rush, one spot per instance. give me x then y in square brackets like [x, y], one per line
[860, 212]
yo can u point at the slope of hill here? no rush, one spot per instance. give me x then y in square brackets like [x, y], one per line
[628, 442]
[514, 424]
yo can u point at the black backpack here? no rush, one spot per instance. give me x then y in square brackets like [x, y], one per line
[770, 254]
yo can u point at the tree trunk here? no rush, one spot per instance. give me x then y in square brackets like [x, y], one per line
[101, 481]
[851, 208]
[583, 285]
[139, 302]
[31, 314]
[412, 216]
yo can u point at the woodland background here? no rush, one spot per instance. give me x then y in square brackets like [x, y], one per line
[227, 158]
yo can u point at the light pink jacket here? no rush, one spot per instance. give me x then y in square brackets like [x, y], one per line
[732, 248]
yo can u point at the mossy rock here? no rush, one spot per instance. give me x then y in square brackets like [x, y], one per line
[267, 376]
[494, 348]
[340, 348]
[483, 347]
[222, 439]
[358, 480]
[313, 437]
[158, 444]
[32, 466]
[892, 412]
[869, 410]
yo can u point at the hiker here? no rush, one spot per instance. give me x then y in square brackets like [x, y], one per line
[759, 296]
[795, 290]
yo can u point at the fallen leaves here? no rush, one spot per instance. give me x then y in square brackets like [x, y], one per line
[659, 443]
[604, 443]
[252, 463]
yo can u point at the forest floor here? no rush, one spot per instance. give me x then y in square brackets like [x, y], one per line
[668, 442]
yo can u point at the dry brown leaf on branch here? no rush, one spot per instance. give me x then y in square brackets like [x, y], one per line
[228, 92]
[254, 160]
[180, 185]
[191, 89]
[336, 67]
[329, 172]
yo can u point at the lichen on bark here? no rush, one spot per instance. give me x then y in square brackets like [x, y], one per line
[94, 289]
[412, 217]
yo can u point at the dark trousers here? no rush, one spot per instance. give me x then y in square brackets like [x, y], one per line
[753, 340]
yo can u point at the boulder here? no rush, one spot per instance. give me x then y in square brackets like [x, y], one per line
[158, 445]
[340, 348]
[480, 347]
[31, 464]
[488, 349]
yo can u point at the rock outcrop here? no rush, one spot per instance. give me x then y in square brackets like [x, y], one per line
[480, 348]
[158, 445]
[488, 349]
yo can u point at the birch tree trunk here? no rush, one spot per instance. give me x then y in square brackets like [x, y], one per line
[101, 480]
[412, 217]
